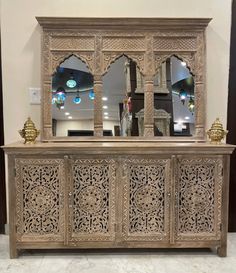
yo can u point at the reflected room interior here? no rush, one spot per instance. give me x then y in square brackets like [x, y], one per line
[123, 99]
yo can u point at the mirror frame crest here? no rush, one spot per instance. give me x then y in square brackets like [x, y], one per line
[98, 42]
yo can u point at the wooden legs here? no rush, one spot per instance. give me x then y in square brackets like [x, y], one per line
[222, 251]
[13, 252]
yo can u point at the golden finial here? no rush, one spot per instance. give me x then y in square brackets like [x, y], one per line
[216, 133]
[29, 132]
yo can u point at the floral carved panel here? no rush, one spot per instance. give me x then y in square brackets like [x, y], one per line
[92, 200]
[198, 199]
[39, 199]
[145, 201]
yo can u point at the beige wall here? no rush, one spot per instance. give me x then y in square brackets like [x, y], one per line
[21, 46]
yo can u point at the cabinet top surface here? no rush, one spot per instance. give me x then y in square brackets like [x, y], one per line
[135, 147]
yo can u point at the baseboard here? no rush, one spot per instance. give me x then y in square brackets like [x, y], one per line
[7, 229]
[2, 229]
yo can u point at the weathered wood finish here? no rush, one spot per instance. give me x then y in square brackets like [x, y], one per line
[118, 195]
[98, 42]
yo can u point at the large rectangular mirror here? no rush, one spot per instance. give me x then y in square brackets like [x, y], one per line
[112, 79]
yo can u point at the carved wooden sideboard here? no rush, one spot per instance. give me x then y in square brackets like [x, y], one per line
[118, 195]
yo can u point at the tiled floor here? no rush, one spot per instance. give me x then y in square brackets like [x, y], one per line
[196, 261]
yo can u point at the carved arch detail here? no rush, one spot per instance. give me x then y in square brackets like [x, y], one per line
[189, 58]
[147, 41]
[110, 58]
[57, 58]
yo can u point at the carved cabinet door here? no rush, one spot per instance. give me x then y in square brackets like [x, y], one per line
[146, 199]
[91, 200]
[198, 198]
[39, 200]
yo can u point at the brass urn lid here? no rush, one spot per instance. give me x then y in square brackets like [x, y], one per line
[217, 125]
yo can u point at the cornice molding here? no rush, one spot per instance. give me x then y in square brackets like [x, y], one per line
[123, 22]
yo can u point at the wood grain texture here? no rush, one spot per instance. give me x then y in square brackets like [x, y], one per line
[148, 42]
[108, 195]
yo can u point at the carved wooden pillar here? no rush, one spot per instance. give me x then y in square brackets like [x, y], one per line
[199, 91]
[149, 88]
[148, 106]
[47, 113]
[46, 104]
[98, 117]
[200, 106]
[97, 81]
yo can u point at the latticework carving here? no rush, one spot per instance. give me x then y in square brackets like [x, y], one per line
[92, 216]
[39, 199]
[198, 195]
[175, 44]
[145, 202]
[124, 44]
[73, 43]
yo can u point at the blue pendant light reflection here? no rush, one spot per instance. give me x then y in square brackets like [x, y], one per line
[71, 83]
[91, 94]
[60, 94]
[77, 100]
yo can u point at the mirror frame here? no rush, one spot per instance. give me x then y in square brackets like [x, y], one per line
[98, 42]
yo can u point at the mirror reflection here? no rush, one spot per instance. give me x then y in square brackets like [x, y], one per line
[72, 99]
[123, 99]
[173, 100]
[183, 99]
[120, 100]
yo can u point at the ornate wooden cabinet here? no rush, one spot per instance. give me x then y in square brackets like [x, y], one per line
[118, 195]
[105, 192]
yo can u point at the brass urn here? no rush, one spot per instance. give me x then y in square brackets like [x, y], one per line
[29, 132]
[216, 133]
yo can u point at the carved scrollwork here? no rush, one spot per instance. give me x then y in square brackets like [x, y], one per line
[59, 57]
[38, 199]
[189, 58]
[92, 215]
[145, 204]
[111, 57]
[199, 194]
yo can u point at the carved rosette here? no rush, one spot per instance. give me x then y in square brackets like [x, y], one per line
[39, 215]
[146, 183]
[198, 193]
[92, 199]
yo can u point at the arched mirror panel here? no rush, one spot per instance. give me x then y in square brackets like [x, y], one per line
[137, 84]
[120, 100]
[72, 99]
[174, 100]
